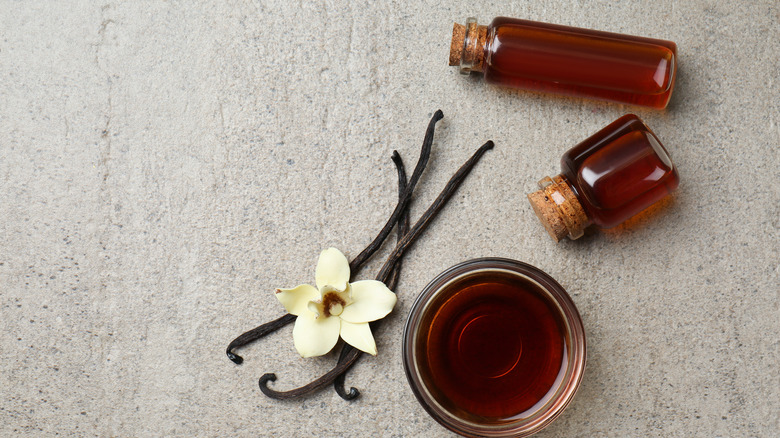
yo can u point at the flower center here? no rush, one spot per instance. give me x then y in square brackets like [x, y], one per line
[332, 304]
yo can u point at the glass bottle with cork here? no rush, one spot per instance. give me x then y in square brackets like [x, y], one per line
[608, 178]
[567, 60]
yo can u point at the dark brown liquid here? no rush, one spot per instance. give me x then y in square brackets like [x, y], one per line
[492, 346]
[619, 171]
[580, 62]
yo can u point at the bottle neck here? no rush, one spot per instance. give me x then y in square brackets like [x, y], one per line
[558, 208]
[467, 49]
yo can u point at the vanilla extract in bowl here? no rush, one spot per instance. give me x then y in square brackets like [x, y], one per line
[494, 347]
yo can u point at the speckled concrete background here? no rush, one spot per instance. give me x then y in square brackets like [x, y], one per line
[166, 165]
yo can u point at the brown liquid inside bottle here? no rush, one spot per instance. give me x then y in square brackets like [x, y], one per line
[620, 171]
[570, 61]
[608, 178]
[494, 348]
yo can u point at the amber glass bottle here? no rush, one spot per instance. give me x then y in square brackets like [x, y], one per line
[606, 179]
[567, 60]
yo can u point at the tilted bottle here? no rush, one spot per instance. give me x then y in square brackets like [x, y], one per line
[608, 178]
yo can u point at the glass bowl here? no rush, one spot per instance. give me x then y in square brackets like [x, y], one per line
[494, 347]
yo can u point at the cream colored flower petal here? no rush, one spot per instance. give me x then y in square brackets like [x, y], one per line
[332, 270]
[297, 299]
[315, 336]
[316, 308]
[358, 336]
[371, 300]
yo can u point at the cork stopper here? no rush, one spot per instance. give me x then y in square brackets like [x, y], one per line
[558, 209]
[456, 45]
[467, 48]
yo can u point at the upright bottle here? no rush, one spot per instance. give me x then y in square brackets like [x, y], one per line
[611, 176]
[567, 60]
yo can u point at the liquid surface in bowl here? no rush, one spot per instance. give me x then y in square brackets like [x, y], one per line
[492, 346]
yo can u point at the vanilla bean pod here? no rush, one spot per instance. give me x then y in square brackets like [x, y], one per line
[403, 223]
[352, 356]
[403, 228]
[357, 263]
[405, 198]
[432, 211]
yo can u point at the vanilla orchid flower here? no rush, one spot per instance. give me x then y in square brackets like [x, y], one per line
[335, 307]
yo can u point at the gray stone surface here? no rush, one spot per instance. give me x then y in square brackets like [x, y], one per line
[164, 166]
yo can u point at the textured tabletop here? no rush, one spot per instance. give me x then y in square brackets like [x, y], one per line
[165, 166]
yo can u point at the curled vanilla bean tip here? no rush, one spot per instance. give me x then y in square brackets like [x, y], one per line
[263, 382]
[339, 381]
[348, 396]
[255, 334]
[238, 360]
